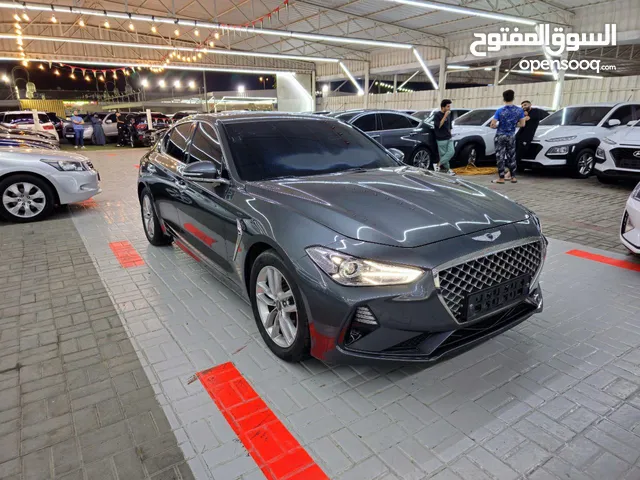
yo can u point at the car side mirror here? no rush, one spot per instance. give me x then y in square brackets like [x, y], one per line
[397, 153]
[205, 172]
[614, 122]
[108, 121]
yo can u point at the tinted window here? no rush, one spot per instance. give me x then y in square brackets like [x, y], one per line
[264, 150]
[392, 121]
[43, 118]
[205, 145]
[345, 117]
[457, 113]
[18, 118]
[624, 114]
[575, 116]
[366, 123]
[423, 115]
[475, 117]
[176, 143]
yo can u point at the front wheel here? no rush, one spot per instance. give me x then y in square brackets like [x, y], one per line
[422, 158]
[278, 308]
[150, 221]
[585, 162]
[25, 198]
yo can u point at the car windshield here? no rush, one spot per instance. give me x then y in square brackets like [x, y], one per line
[424, 114]
[475, 117]
[345, 117]
[587, 116]
[264, 150]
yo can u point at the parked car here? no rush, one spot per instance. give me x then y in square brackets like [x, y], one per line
[32, 181]
[569, 137]
[28, 120]
[473, 138]
[618, 155]
[630, 228]
[109, 125]
[183, 114]
[387, 261]
[426, 114]
[393, 130]
[26, 138]
[159, 122]
[58, 123]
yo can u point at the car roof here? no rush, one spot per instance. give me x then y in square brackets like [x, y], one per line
[601, 104]
[258, 116]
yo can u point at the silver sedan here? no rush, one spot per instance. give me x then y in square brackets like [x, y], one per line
[33, 181]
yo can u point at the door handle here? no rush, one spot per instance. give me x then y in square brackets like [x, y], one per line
[181, 183]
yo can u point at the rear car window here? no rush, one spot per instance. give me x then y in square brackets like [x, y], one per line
[18, 118]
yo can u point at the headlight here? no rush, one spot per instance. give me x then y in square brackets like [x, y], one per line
[65, 165]
[609, 141]
[563, 150]
[358, 272]
[599, 152]
[636, 192]
[561, 139]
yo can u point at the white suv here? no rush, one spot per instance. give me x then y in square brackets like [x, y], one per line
[29, 120]
[618, 156]
[569, 138]
[630, 228]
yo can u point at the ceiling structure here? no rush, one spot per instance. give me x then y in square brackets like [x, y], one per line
[86, 38]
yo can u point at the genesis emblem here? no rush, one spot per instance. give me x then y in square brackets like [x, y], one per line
[636, 154]
[488, 237]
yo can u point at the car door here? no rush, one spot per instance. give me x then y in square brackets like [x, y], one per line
[165, 182]
[369, 124]
[205, 218]
[396, 131]
[489, 136]
[110, 126]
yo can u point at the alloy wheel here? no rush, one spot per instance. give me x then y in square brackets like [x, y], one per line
[24, 200]
[147, 216]
[585, 164]
[276, 306]
[422, 159]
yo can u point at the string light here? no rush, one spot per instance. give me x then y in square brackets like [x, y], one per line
[162, 83]
[177, 84]
[131, 26]
[25, 17]
[87, 78]
[81, 23]
[144, 82]
[115, 76]
[194, 58]
[216, 36]
[17, 26]
[192, 84]
[25, 63]
[106, 24]
[56, 72]
[72, 76]
[17, 17]
[54, 19]
[211, 44]
[101, 78]
[19, 41]
[196, 32]
[20, 48]
[199, 55]
[41, 67]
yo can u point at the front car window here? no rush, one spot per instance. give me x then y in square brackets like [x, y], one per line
[366, 123]
[475, 117]
[268, 149]
[177, 140]
[205, 146]
[393, 121]
[624, 114]
[585, 116]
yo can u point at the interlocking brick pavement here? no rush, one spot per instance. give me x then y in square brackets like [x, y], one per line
[557, 397]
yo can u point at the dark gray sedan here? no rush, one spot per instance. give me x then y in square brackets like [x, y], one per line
[345, 252]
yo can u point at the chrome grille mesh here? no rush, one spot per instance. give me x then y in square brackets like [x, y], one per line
[460, 280]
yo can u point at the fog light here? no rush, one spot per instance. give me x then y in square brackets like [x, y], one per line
[363, 323]
[365, 316]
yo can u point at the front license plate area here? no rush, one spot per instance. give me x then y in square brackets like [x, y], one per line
[485, 301]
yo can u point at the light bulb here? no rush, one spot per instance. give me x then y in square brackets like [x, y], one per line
[211, 44]
[17, 26]
[199, 55]
[72, 76]
[56, 72]
[41, 67]
[25, 17]
[196, 32]
[176, 32]
[144, 82]
[81, 23]
[194, 58]
[25, 63]
[19, 41]
[106, 24]
[101, 78]
[20, 48]
[17, 17]
[131, 26]
[162, 83]
[54, 19]
[154, 29]
[192, 84]
[87, 78]
[216, 36]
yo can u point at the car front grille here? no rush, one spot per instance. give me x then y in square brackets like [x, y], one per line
[457, 282]
[625, 158]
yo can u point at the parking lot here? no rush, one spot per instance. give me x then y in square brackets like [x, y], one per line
[101, 339]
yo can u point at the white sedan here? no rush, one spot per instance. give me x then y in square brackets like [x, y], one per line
[33, 181]
[630, 229]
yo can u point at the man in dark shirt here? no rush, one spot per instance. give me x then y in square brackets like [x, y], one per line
[442, 131]
[121, 124]
[532, 117]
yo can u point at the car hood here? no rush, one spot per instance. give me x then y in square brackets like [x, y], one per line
[402, 207]
[37, 154]
[627, 136]
[544, 132]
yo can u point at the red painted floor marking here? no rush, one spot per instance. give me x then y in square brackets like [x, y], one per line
[199, 234]
[607, 260]
[88, 203]
[126, 254]
[184, 248]
[274, 449]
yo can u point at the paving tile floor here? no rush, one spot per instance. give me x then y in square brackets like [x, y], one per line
[557, 397]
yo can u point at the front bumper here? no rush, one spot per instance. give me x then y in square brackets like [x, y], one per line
[616, 168]
[414, 322]
[76, 186]
[631, 239]
[538, 153]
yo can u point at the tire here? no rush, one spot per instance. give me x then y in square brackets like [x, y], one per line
[35, 198]
[469, 154]
[585, 163]
[296, 347]
[150, 221]
[422, 158]
[607, 180]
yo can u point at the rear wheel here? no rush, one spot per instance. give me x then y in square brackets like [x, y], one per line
[278, 308]
[150, 221]
[585, 162]
[422, 158]
[25, 198]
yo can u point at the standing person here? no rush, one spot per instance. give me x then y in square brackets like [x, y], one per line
[505, 120]
[532, 117]
[442, 131]
[120, 123]
[78, 129]
[98, 137]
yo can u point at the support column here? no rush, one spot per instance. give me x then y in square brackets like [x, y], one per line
[395, 83]
[204, 87]
[442, 76]
[313, 91]
[496, 73]
[559, 90]
[366, 85]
